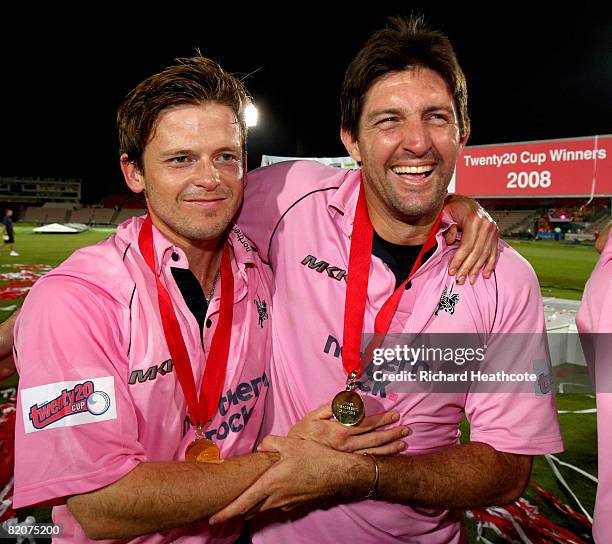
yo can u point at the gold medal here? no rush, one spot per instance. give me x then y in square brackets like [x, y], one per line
[202, 450]
[347, 408]
[347, 405]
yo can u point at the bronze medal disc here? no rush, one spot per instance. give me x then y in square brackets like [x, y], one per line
[202, 450]
[347, 408]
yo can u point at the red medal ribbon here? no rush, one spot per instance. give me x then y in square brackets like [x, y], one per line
[201, 409]
[357, 288]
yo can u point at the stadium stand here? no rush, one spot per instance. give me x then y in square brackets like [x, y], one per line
[55, 212]
[56, 215]
[33, 214]
[601, 223]
[126, 214]
[122, 201]
[87, 216]
[102, 216]
[514, 221]
[82, 215]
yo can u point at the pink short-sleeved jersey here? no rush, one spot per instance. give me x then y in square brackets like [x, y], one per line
[594, 319]
[300, 216]
[98, 393]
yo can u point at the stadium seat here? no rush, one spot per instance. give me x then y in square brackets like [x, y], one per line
[102, 216]
[127, 213]
[33, 215]
[56, 215]
[82, 215]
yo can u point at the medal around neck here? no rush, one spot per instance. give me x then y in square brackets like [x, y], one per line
[347, 405]
[202, 450]
[347, 408]
[200, 407]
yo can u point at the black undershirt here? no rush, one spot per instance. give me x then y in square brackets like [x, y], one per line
[399, 259]
[193, 294]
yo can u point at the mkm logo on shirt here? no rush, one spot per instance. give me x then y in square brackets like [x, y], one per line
[65, 404]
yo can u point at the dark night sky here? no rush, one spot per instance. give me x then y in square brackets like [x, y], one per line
[533, 73]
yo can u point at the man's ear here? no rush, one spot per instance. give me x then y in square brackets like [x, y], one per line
[244, 168]
[351, 145]
[131, 173]
[463, 139]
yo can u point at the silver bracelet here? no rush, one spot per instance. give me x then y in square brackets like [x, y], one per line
[374, 489]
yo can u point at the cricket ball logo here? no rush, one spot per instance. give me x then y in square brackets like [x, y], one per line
[545, 383]
[81, 398]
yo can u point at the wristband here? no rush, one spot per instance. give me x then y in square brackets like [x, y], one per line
[374, 489]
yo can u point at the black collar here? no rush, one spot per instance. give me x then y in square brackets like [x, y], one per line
[400, 259]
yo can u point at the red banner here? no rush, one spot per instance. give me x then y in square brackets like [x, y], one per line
[576, 167]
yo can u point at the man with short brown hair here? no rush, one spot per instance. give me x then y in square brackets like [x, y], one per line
[144, 360]
[356, 252]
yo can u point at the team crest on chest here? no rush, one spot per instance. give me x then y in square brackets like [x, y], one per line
[448, 301]
[262, 310]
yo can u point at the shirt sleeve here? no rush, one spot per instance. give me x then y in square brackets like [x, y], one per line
[594, 315]
[516, 416]
[271, 191]
[595, 326]
[594, 322]
[264, 205]
[76, 427]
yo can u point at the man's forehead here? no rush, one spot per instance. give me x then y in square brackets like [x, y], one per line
[410, 84]
[195, 115]
[210, 119]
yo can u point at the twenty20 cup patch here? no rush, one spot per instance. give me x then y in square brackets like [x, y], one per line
[64, 404]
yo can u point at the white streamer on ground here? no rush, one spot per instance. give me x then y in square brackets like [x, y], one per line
[559, 476]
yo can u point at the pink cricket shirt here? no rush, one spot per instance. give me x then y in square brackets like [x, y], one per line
[300, 216]
[594, 317]
[97, 390]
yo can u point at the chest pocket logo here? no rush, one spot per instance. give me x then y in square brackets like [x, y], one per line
[448, 301]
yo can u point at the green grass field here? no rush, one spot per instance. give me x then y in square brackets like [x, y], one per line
[580, 438]
[562, 269]
[49, 249]
[562, 272]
